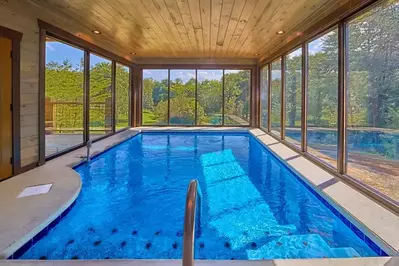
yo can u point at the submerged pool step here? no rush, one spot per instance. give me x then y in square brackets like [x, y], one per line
[300, 246]
[345, 252]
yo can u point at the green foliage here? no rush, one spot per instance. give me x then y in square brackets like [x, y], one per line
[293, 91]
[64, 95]
[237, 94]
[182, 99]
[122, 96]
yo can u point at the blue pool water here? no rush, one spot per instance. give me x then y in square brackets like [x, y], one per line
[133, 196]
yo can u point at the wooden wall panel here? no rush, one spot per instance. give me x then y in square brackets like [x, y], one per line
[22, 21]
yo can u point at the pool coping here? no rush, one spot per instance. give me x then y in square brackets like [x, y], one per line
[61, 169]
[375, 261]
[24, 221]
[378, 224]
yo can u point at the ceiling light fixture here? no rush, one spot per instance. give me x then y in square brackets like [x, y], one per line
[96, 32]
[256, 54]
[133, 53]
[280, 32]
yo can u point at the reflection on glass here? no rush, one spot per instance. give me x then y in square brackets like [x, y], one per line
[182, 97]
[264, 94]
[237, 85]
[322, 116]
[122, 96]
[64, 96]
[155, 97]
[276, 97]
[210, 97]
[293, 84]
[100, 97]
[373, 99]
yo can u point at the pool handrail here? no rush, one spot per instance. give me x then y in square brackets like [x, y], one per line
[191, 216]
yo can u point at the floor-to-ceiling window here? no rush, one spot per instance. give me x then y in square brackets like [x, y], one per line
[373, 98]
[100, 110]
[73, 89]
[155, 97]
[237, 90]
[276, 89]
[121, 96]
[64, 90]
[369, 151]
[293, 90]
[264, 94]
[322, 117]
[210, 97]
[196, 97]
[182, 97]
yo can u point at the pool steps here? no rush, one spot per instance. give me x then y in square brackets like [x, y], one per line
[299, 245]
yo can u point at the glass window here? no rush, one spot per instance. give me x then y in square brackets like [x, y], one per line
[64, 96]
[373, 98]
[276, 97]
[264, 94]
[293, 89]
[100, 97]
[155, 97]
[210, 97]
[122, 96]
[237, 86]
[182, 97]
[322, 117]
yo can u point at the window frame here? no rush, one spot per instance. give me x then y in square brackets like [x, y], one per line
[341, 170]
[298, 47]
[282, 120]
[48, 30]
[266, 68]
[129, 115]
[250, 68]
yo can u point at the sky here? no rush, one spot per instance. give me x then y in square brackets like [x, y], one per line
[57, 51]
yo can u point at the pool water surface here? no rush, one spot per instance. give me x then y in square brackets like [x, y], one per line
[253, 207]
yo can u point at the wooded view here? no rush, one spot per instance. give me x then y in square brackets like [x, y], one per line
[209, 102]
[65, 97]
[372, 97]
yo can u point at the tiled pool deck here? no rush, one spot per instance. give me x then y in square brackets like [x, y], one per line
[22, 219]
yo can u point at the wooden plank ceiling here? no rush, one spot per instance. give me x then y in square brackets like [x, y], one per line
[186, 28]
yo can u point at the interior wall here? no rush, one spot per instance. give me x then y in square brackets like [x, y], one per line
[26, 24]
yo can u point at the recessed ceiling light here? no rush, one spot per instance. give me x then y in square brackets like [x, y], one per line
[256, 54]
[280, 32]
[96, 32]
[133, 53]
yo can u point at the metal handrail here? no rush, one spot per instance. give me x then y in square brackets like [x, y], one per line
[191, 217]
[88, 145]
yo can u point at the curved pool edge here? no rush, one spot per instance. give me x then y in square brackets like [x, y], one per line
[65, 190]
[24, 221]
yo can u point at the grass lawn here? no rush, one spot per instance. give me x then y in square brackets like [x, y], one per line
[149, 118]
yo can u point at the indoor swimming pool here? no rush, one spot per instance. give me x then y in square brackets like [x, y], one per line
[254, 207]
